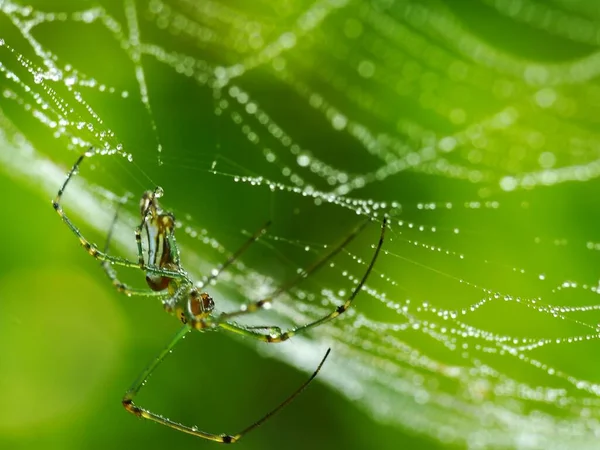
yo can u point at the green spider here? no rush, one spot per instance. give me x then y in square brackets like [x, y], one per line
[171, 284]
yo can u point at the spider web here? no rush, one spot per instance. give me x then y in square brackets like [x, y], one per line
[479, 324]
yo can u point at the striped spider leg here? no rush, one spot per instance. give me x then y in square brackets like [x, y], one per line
[170, 283]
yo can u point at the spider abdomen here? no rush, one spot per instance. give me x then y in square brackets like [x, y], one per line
[157, 283]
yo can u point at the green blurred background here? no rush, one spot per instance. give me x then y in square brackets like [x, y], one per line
[465, 119]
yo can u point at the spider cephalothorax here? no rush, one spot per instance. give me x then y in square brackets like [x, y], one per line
[200, 305]
[192, 307]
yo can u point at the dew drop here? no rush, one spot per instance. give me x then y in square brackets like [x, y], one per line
[303, 160]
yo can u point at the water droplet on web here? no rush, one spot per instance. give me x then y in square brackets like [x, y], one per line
[1, 42]
[339, 121]
[70, 81]
[303, 160]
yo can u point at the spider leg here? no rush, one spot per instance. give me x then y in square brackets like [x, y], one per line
[252, 307]
[131, 407]
[286, 402]
[91, 248]
[234, 256]
[281, 336]
[270, 328]
[111, 273]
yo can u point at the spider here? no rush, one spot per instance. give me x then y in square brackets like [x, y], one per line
[170, 283]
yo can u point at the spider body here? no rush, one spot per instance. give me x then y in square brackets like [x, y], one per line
[185, 301]
[162, 249]
[171, 284]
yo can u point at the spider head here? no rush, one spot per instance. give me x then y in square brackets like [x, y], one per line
[200, 305]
